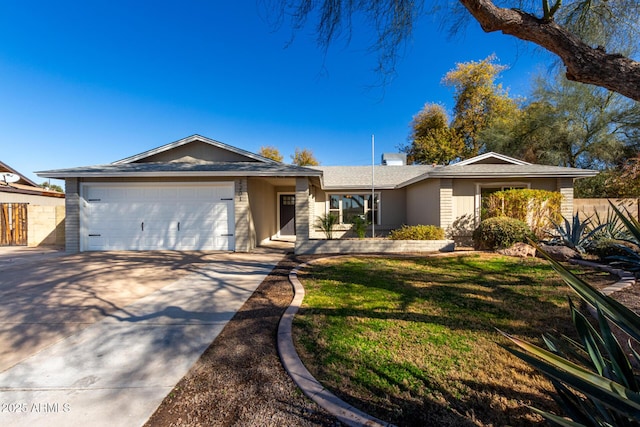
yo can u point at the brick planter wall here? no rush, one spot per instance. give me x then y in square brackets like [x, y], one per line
[346, 246]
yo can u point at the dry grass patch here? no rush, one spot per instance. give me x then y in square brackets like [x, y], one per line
[413, 340]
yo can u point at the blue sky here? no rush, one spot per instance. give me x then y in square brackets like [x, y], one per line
[85, 83]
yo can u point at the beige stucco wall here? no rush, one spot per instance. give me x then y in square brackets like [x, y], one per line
[262, 202]
[423, 203]
[45, 225]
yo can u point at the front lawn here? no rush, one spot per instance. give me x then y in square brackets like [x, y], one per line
[413, 341]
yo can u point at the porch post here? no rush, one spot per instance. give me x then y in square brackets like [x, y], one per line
[302, 211]
[446, 202]
[242, 217]
[565, 186]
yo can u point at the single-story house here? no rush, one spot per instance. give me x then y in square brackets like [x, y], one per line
[29, 214]
[201, 194]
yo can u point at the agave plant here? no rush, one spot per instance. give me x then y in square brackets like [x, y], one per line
[612, 226]
[594, 378]
[326, 223]
[576, 234]
[631, 260]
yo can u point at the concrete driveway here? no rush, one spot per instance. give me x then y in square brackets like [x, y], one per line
[101, 338]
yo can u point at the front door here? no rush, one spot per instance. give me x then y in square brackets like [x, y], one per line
[287, 215]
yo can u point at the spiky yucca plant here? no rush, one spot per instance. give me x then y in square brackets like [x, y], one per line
[595, 379]
[326, 223]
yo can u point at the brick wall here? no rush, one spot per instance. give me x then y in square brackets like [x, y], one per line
[587, 207]
[72, 218]
[45, 225]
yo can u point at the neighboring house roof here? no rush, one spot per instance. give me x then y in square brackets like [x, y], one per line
[386, 177]
[24, 185]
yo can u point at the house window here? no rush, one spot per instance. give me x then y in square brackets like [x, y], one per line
[288, 200]
[348, 206]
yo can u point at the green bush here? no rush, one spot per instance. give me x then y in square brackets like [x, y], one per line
[326, 223]
[417, 232]
[500, 232]
[605, 247]
[360, 224]
[535, 207]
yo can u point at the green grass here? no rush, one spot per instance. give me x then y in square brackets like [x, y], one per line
[413, 340]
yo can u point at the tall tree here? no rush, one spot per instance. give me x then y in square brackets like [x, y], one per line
[570, 124]
[270, 152]
[431, 140]
[304, 157]
[590, 37]
[479, 100]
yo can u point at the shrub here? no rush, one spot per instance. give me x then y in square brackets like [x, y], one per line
[535, 207]
[605, 248]
[500, 232]
[326, 223]
[360, 224]
[417, 232]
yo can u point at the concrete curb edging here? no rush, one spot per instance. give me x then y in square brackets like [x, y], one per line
[340, 409]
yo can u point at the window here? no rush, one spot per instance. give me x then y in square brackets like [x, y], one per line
[288, 200]
[348, 206]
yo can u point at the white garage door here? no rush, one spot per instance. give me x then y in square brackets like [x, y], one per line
[152, 217]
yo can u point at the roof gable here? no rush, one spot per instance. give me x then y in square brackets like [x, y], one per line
[23, 179]
[491, 158]
[195, 149]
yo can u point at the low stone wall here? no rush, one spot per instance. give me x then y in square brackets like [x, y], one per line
[347, 246]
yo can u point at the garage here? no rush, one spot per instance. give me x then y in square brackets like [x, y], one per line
[153, 216]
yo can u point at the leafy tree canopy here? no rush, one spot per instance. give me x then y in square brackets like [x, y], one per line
[304, 157]
[53, 187]
[479, 100]
[270, 152]
[569, 124]
[431, 140]
[479, 103]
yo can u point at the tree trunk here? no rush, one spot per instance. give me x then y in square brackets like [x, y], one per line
[583, 63]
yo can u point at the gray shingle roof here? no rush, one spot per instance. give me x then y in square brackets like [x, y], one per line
[505, 170]
[336, 177]
[182, 168]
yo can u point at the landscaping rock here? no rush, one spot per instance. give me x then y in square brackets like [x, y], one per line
[560, 253]
[520, 250]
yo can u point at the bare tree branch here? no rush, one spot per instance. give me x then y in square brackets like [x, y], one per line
[583, 63]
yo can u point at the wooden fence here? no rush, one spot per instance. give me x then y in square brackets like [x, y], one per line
[588, 207]
[13, 224]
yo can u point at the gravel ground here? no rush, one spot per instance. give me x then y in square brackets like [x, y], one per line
[239, 380]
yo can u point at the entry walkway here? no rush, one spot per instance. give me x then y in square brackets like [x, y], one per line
[117, 371]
